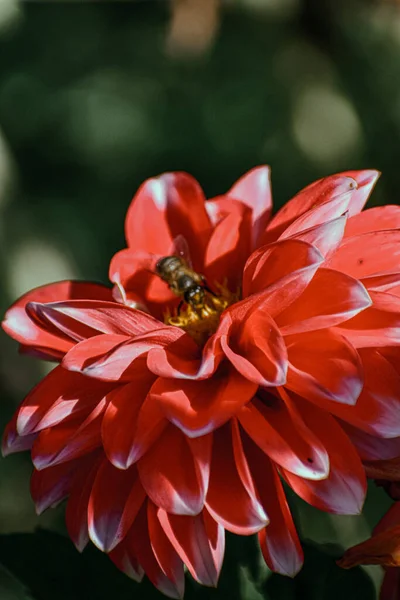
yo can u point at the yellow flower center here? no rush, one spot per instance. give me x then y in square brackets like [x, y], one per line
[201, 321]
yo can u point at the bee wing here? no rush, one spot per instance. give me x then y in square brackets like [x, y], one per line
[180, 248]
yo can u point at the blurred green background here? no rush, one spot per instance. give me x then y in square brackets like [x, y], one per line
[97, 96]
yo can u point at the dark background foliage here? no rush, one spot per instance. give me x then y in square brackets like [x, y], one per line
[97, 96]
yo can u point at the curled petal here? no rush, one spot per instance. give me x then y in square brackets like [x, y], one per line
[80, 319]
[19, 326]
[131, 423]
[377, 410]
[60, 395]
[343, 491]
[323, 365]
[254, 190]
[270, 265]
[228, 249]
[114, 502]
[69, 440]
[378, 325]
[326, 237]
[164, 207]
[175, 472]
[199, 407]
[199, 541]
[256, 348]
[245, 515]
[319, 202]
[284, 437]
[116, 357]
[330, 298]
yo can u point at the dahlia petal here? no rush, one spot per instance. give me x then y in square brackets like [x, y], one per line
[69, 440]
[120, 429]
[116, 357]
[278, 541]
[12, 441]
[137, 547]
[83, 354]
[171, 474]
[50, 486]
[343, 491]
[164, 552]
[126, 562]
[358, 256]
[80, 319]
[381, 549]
[370, 447]
[114, 502]
[378, 325]
[366, 180]
[381, 283]
[77, 506]
[373, 219]
[377, 410]
[199, 407]
[390, 519]
[165, 207]
[386, 470]
[181, 359]
[20, 327]
[243, 514]
[324, 236]
[199, 541]
[269, 265]
[324, 365]
[136, 284]
[285, 439]
[256, 348]
[227, 250]
[254, 190]
[330, 298]
[319, 202]
[58, 396]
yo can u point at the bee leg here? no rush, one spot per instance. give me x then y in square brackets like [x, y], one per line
[205, 286]
[181, 303]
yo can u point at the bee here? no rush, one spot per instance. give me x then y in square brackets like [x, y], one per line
[176, 271]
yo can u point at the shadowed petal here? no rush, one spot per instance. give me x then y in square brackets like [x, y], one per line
[80, 319]
[330, 298]
[278, 541]
[175, 472]
[323, 365]
[284, 438]
[199, 541]
[243, 514]
[114, 502]
[343, 491]
[19, 326]
[198, 407]
[131, 423]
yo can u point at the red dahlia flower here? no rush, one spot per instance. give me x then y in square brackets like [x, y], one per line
[173, 417]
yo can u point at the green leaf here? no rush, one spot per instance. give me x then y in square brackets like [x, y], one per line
[11, 588]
